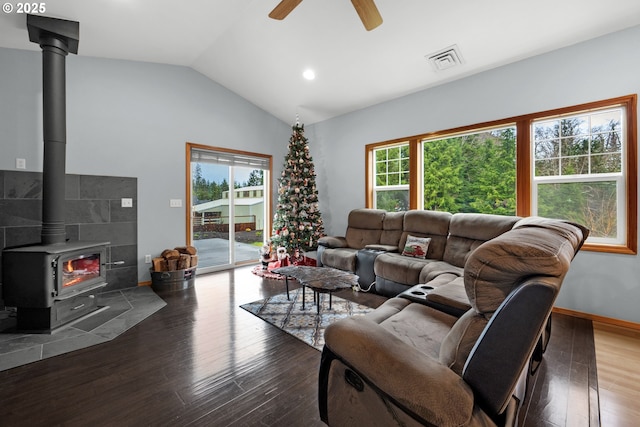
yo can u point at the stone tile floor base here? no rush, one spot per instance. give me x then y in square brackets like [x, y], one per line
[123, 309]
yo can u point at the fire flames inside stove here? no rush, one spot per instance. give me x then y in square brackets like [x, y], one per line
[80, 269]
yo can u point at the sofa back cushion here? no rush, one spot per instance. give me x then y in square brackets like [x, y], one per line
[432, 224]
[458, 343]
[364, 227]
[392, 228]
[467, 231]
[499, 265]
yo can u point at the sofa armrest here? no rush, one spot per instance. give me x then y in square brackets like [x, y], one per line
[333, 242]
[411, 378]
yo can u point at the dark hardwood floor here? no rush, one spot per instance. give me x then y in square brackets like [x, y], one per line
[202, 360]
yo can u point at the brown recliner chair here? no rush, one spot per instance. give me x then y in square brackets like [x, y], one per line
[364, 227]
[409, 364]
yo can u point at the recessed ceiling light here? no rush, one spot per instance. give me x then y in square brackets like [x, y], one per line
[309, 74]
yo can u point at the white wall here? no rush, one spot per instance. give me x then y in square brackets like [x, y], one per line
[133, 119]
[607, 67]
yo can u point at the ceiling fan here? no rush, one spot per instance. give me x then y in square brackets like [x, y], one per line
[366, 9]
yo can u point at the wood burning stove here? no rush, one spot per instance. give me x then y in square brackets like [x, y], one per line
[54, 282]
[52, 285]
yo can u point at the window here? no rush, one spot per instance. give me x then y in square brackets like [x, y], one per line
[473, 172]
[579, 171]
[576, 163]
[391, 187]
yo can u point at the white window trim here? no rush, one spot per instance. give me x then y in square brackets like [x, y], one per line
[619, 177]
[621, 191]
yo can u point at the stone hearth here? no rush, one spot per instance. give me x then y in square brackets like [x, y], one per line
[123, 310]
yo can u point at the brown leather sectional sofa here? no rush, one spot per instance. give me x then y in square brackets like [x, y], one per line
[374, 244]
[411, 362]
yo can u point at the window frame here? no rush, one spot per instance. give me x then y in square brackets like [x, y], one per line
[232, 155]
[524, 159]
[401, 187]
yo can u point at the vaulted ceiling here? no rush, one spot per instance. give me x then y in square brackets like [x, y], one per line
[237, 45]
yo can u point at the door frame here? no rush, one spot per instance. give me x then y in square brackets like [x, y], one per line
[268, 184]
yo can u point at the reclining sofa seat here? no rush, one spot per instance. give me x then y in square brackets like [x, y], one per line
[453, 238]
[409, 364]
[395, 272]
[364, 227]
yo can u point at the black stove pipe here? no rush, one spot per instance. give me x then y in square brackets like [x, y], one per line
[54, 53]
[56, 37]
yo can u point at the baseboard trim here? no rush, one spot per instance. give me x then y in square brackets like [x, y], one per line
[598, 318]
[147, 283]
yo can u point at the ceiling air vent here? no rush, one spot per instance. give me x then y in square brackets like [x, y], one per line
[445, 58]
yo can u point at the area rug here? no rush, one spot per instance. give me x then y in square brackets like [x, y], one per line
[306, 325]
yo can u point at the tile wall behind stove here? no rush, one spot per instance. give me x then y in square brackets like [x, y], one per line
[93, 212]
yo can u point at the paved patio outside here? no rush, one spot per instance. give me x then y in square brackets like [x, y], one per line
[214, 252]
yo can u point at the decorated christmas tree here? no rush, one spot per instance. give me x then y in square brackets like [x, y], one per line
[297, 223]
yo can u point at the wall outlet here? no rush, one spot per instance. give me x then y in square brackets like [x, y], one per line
[127, 203]
[21, 163]
[147, 259]
[175, 203]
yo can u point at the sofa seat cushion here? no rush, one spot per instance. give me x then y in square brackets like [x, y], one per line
[342, 258]
[418, 325]
[438, 270]
[451, 294]
[400, 269]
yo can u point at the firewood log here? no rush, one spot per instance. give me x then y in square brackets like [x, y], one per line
[184, 262]
[170, 254]
[188, 250]
[159, 264]
[172, 264]
[194, 260]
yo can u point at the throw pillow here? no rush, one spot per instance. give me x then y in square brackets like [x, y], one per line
[416, 246]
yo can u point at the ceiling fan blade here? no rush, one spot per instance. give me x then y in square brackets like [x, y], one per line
[283, 9]
[368, 13]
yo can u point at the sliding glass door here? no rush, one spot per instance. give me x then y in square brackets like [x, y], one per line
[229, 217]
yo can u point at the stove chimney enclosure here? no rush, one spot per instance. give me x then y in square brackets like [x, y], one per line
[56, 37]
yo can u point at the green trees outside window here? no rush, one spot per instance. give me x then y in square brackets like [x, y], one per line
[392, 178]
[471, 173]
